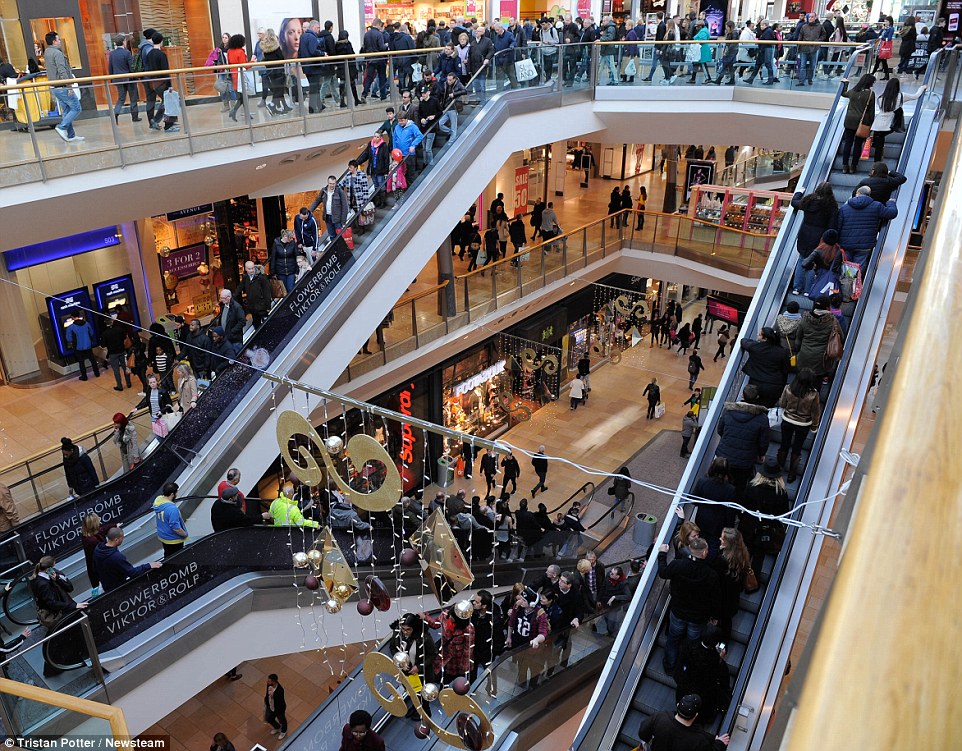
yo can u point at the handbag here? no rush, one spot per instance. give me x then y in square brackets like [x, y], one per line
[864, 130]
[525, 70]
[885, 49]
[221, 84]
[159, 428]
[792, 359]
[278, 290]
[774, 417]
[47, 618]
[751, 581]
[171, 103]
[833, 348]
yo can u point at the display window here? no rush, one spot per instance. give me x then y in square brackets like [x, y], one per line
[472, 400]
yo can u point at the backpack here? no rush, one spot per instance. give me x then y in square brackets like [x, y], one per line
[137, 66]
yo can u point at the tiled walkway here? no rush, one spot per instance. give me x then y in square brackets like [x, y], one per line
[236, 708]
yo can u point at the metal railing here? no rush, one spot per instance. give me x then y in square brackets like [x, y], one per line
[424, 317]
[208, 119]
[748, 171]
[37, 483]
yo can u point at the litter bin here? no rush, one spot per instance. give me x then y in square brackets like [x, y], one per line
[644, 530]
[446, 468]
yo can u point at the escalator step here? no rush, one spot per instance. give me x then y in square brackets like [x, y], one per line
[653, 696]
[734, 656]
[654, 669]
[751, 602]
[631, 725]
[622, 746]
[742, 625]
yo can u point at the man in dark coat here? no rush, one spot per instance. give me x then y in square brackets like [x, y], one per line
[695, 596]
[226, 512]
[859, 221]
[275, 707]
[767, 365]
[744, 436]
[256, 292]
[882, 182]
[231, 318]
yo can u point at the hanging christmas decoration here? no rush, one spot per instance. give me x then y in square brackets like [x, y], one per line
[443, 564]
[409, 557]
[474, 736]
[336, 574]
[301, 560]
[311, 582]
[377, 593]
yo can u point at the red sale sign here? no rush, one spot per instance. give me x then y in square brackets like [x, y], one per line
[584, 8]
[521, 189]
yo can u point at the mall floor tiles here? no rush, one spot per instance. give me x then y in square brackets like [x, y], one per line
[236, 708]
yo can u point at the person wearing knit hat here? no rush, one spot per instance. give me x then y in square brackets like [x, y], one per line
[78, 469]
[665, 731]
[126, 440]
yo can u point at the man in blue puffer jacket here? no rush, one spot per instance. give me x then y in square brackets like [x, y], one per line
[859, 221]
[81, 338]
[744, 436]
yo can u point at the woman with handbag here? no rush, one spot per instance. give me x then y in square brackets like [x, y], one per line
[858, 120]
[884, 50]
[801, 412]
[51, 590]
[812, 339]
[890, 117]
[702, 54]
[275, 76]
[240, 78]
[125, 438]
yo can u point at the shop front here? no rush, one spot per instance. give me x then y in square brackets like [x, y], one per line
[622, 161]
[418, 13]
[200, 249]
[88, 29]
[93, 274]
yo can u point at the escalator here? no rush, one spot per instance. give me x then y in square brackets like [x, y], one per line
[288, 342]
[634, 685]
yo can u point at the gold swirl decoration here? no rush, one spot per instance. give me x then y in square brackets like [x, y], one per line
[361, 449]
[519, 411]
[531, 360]
[377, 664]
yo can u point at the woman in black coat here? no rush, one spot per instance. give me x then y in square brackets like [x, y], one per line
[614, 206]
[767, 365]
[51, 590]
[820, 211]
[282, 262]
[77, 467]
[626, 203]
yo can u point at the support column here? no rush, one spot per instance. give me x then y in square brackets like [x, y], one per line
[447, 299]
[16, 346]
[671, 173]
[145, 270]
[225, 239]
[558, 169]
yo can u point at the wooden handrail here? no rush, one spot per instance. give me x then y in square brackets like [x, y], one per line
[583, 227]
[422, 293]
[884, 673]
[113, 715]
[40, 454]
[332, 59]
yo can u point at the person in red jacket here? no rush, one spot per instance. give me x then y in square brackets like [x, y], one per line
[357, 734]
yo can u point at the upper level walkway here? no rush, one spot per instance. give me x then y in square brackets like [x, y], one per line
[213, 156]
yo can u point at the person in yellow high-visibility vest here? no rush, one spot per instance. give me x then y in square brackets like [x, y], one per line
[285, 512]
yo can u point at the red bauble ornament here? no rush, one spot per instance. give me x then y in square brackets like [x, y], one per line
[422, 731]
[377, 593]
[311, 582]
[461, 685]
[364, 607]
[409, 557]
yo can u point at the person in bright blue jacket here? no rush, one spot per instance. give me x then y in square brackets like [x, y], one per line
[859, 221]
[171, 530]
[81, 338]
[407, 135]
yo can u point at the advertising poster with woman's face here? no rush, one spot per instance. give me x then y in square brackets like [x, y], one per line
[289, 18]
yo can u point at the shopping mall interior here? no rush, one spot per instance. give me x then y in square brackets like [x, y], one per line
[315, 411]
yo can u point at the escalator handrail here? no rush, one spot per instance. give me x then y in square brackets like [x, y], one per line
[805, 483]
[570, 498]
[781, 252]
[357, 672]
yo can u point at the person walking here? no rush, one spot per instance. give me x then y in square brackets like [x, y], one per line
[81, 338]
[114, 340]
[540, 465]
[58, 69]
[512, 471]
[275, 707]
[723, 338]
[653, 392]
[695, 366]
[696, 329]
[883, 52]
[121, 61]
[577, 392]
[489, 468]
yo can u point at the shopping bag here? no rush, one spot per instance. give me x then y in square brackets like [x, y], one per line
[774, 417]
[867, 148]
[250, 87]
[631, 69]
[524, 70]
[850, 280]
[159, 427]
[170, 419]
[366, 218]
[347, 234]
[171, 103]
[416, 74]
[885, 50]
[659, 411]
[824, 283]
[693, 53]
